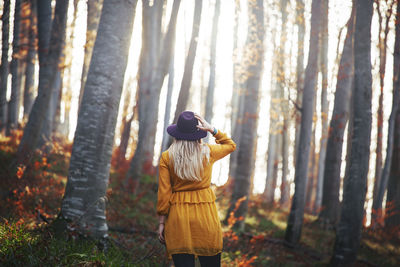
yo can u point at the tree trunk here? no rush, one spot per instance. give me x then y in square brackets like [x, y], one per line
[154, 64]
[340, 115]
[393, 147]
[167, 115]
[295, 221]
[93, 16]
[377, 203]
[236, 100]
[349, 230]
[125, 123]
[301, 28]
[324, 106]
[277, 96]
[5, 22]
[187, 75]
[213, 54]
[88, 175]
[311, 180]
[47, 75]
[66, 79]
[245, 161]
[14, 103]
[30, 61]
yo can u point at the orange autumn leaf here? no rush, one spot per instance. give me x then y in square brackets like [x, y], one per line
[20, 171]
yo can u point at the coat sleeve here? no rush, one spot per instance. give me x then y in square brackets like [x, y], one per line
[164, 188]
[225, 146]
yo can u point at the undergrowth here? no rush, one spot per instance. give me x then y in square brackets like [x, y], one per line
[30, 200]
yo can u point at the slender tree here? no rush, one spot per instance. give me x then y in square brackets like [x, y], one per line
[93, 17]
[392, 218]
[84, 198]
[14, 103]
[383, 36]
[301, 29]
[188, 71]
[66, 79]
[348, 233]
[295, 221]
[48, 64]
[30, 61]
[254, 56]
[5, 22]
[153, 67]
[340, 115]
[213, 54]
[277, 106]
[236, 91]
[324, 106]
[167, 115]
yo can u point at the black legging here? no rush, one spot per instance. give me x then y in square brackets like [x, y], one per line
[187, 260]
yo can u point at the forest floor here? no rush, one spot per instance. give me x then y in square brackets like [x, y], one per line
[30, 199]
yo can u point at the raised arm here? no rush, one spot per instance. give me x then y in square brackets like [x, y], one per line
[225, 145]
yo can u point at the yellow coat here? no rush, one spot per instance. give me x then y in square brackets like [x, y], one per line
[192, 224]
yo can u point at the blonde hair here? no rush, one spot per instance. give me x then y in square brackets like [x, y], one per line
[188, 158]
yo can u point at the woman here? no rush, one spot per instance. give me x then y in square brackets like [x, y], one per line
[188, 218]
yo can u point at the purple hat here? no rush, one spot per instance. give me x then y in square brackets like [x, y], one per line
[186, 128]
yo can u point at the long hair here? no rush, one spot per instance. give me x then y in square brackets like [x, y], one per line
[188, 158]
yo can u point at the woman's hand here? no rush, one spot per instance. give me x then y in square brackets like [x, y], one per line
[161, 233]
[205, 126]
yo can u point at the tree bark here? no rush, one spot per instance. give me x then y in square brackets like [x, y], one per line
[14, 103]
[154, 64]
[354, 189]
[93, 16]
[295, 221]
[393, 147]
[5, 22]
[30, 61]
[340, 115]
[84, 200]
[47, 75]
[324, 106]
[253, 56]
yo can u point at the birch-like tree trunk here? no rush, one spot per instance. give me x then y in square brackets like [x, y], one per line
[154, 64]
[301, 28]
[295, 221]
[5, 28]
[324, 106]
[393, 144]
[253, 56]
[30, 61]
[330, 197]
[88, 175]
[14, 103]
[47, 75]
[348, 233]
[92, 23]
